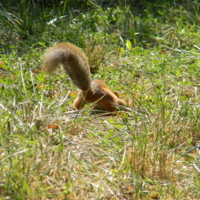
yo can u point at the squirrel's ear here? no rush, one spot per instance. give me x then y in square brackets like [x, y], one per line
[116, 94]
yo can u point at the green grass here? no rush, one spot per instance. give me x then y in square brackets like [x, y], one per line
[150, 150]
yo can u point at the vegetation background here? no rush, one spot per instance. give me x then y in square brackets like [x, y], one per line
[149, 52]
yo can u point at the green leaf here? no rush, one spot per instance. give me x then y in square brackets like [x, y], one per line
[128, 44]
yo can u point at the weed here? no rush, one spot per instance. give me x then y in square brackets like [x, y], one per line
[149, 150]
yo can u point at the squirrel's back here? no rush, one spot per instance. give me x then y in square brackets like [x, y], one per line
[72, 59]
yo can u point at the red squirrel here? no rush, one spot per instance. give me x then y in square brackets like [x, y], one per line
[75, 64]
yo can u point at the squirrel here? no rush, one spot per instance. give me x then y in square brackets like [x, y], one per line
[75, 64]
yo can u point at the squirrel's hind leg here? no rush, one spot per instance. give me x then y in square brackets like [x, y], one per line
[80, 101]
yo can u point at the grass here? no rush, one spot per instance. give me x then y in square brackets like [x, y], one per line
[149, 150]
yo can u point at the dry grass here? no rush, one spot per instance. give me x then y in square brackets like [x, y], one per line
[142, 153]
[149, 150]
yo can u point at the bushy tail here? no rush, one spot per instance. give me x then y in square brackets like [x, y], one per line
[72, 59]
